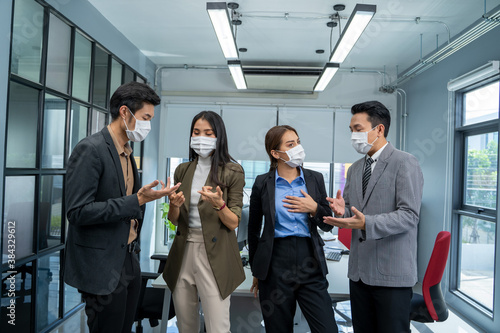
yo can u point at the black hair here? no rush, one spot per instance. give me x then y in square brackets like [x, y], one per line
[133, 95]
[221, 155]
[377, 114]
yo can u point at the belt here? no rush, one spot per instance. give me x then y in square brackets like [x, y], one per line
[134, 247]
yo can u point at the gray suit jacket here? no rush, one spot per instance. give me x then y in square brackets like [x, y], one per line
[385, 254]
[99, 214]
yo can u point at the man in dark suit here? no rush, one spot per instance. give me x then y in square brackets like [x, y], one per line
[105, 207]
[381, 203]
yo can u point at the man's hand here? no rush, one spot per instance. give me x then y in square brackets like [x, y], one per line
[337, 204]
[214, 198]
[355, 222]
[176, 199]
[255, 287]
[147, 193]
[301, 205]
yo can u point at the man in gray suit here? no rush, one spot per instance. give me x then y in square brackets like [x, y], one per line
[381, 203]
[105, 206]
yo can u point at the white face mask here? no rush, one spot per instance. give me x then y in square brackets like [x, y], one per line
[359, 141]
[142, 128]
[203, 145]
[296, 156]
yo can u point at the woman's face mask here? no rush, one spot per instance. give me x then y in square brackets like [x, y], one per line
[296, 156]
[203, 145]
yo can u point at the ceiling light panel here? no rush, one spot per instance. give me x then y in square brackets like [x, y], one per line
[220, 20]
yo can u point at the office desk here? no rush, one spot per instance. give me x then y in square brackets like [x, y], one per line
[245, 310]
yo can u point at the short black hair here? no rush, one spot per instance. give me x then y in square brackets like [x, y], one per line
[133, 95]
[377, 114]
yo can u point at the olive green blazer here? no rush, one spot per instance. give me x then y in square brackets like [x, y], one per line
[220, 242]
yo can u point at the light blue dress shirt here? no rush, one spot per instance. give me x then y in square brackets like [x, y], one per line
[288, 223]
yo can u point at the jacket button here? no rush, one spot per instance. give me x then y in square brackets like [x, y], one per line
[214, 239]
[178, 233]
[123, 245]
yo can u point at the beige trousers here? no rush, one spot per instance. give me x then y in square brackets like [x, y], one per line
[196, 279]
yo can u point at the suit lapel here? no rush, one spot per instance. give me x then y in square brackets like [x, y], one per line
[358, 183]
[187, 182]
[311, 190]
[377, 172]
[116, 159]
[270, 184]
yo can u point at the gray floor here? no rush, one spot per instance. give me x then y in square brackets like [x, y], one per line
[454, 324]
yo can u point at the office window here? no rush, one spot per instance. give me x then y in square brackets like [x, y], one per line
[50, 211]
[128, 76]
[481, 104]
[58, 54]
[78, 124]
[48, 289]
[98, 121]
[54, 123]
[19, 206]
[100, 77]
[476, 186]
[81, 67]
[50, 79]
[116, 76]
[22, 124]
[23, 285]
[27, 34]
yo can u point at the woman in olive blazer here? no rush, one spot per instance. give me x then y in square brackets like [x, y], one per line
[204, 260]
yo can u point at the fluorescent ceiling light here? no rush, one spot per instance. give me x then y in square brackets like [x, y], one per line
[222, 26]
[325, 77]
[472, 77]
[237, 74]
[360, 17]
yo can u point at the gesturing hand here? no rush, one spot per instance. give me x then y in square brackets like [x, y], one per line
[337, 204]
[176, 199]
[355, 222]
[147, 193]
[301, 205]
[214, 198]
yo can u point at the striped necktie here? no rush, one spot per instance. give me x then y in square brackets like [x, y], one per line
[367, 174]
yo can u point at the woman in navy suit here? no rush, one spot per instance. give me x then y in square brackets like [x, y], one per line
[286, 252]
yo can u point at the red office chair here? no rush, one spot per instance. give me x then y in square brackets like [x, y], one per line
[345, 237]
[431, 306]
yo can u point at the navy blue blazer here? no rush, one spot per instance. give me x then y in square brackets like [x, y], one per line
[262, 204]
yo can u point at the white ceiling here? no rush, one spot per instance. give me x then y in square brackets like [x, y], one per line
[179, 32]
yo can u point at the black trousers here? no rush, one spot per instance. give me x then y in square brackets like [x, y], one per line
[380, 309]
[295, 276]
[116, 312]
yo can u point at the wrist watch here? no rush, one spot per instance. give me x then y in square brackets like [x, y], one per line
[221, 207]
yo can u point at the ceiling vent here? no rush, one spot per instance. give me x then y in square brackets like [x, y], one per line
[281, 78]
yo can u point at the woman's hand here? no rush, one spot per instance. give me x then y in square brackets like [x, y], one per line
[255, 287]
[214, 198]
[301, 205]
[176, 199]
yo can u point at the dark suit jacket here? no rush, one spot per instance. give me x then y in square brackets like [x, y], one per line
[99, 214]
[262, 204]
[220, 242]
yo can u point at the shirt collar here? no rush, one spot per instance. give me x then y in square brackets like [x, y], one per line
[125, 150]
[377, 153]
[301, 176]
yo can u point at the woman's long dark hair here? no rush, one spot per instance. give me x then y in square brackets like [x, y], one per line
[221, 155]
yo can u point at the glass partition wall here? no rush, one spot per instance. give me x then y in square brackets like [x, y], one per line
[60, 84]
